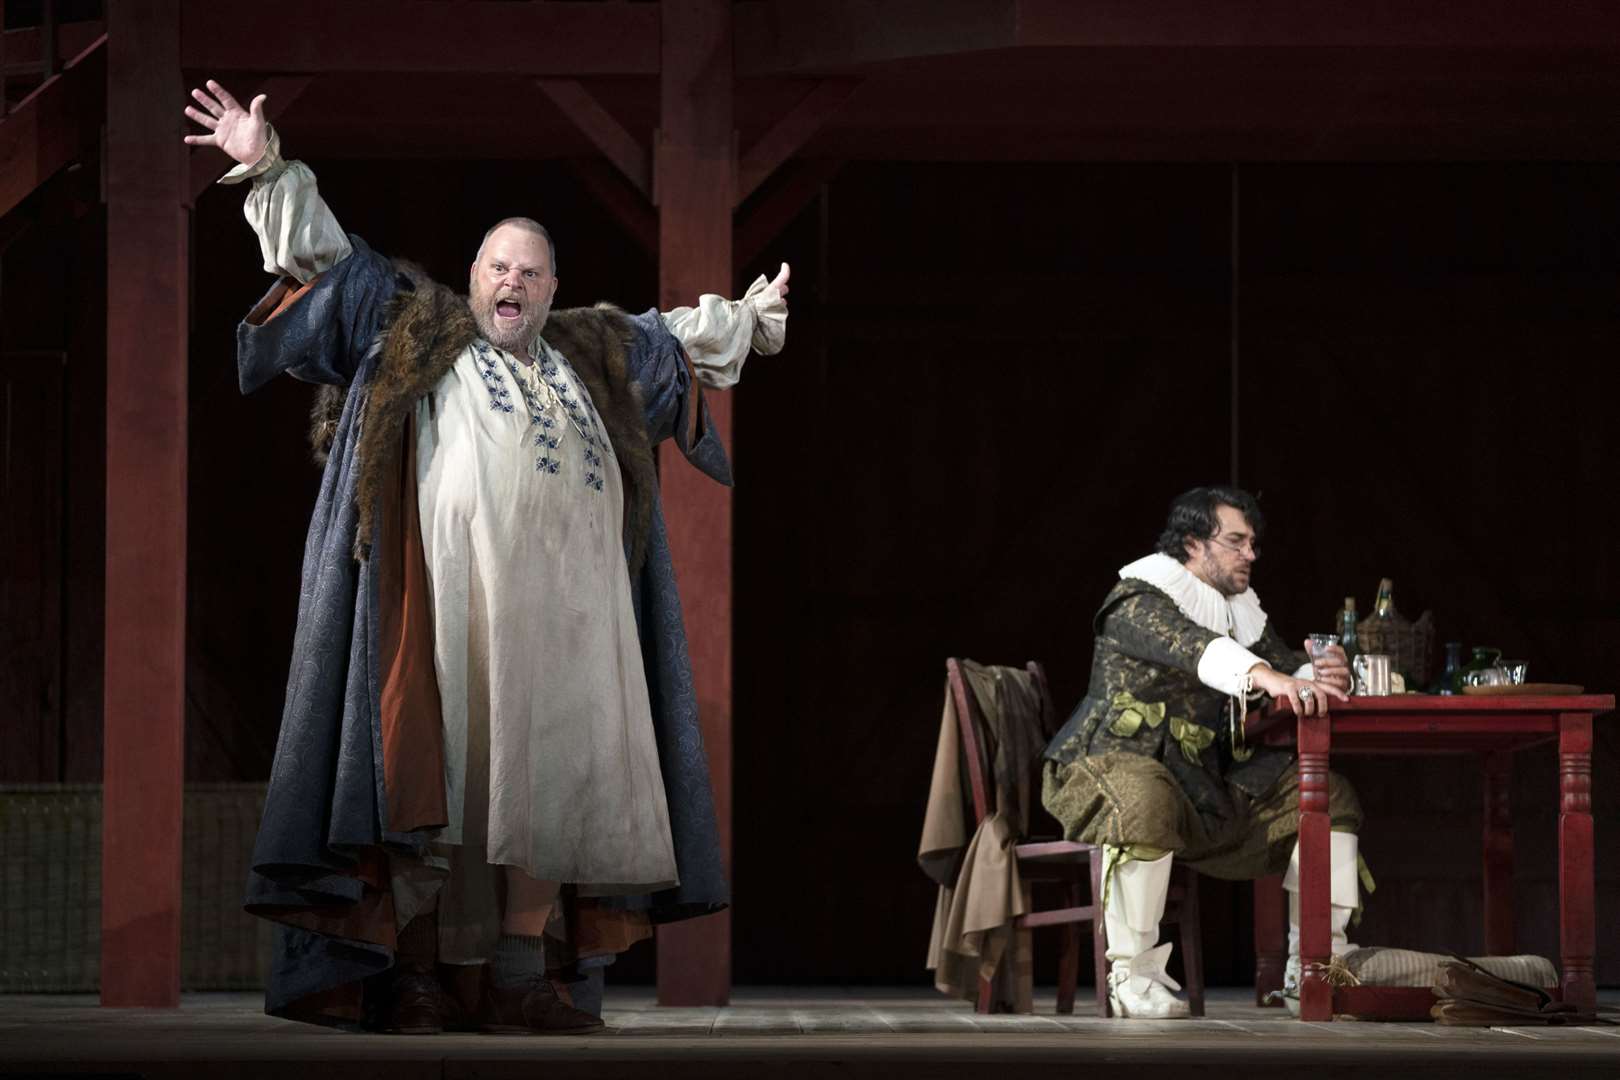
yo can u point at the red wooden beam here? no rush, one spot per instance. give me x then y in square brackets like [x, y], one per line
[319, 37]
[1290, 24]
[779, 37]
[696, 164]
[789, 193]
[791, 132]
[207, 164]
[620, 147]
[629, 207]
[144, 716]
[22, 51]
[58, 123]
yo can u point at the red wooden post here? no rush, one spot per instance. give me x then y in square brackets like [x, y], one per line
[1498, 876]
[1576, 917]
[144, 717]
[1315, 946]
[695, 174]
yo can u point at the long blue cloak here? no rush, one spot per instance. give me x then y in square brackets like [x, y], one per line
[326, 806]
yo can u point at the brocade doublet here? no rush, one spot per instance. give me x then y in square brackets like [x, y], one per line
[1145, 697]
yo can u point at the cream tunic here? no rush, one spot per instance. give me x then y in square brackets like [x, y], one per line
[551, 764]
[534, 634]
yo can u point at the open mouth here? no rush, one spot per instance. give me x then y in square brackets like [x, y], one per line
[508, 309]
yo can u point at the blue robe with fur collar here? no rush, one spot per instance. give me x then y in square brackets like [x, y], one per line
[326, 804]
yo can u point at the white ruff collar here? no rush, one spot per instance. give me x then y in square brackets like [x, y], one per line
[1240, 615]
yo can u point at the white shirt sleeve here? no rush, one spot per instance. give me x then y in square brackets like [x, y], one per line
[718, 333]
[298, 234]
[1224, 664]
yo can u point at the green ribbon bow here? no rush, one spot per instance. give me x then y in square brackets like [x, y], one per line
[1193, 738]
[1133, 714]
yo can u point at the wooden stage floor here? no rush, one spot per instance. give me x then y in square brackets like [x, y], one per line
[784, 1034]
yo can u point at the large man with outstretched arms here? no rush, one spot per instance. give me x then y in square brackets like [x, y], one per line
[490, 704]
[1153, 766]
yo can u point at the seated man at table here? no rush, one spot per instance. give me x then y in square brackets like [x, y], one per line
[1153, 765]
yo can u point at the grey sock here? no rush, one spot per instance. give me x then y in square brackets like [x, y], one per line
[587, 993]
[518, 961]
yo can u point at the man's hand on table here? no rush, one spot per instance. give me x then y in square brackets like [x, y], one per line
[1331, 666]
[1309, 697]
[240, 133]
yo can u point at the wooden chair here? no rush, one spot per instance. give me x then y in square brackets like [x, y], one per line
[1069, 865]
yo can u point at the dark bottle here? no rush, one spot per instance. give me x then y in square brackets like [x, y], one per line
[1347, 629]
[1451, 678]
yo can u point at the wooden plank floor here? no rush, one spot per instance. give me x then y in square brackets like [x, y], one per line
[884, 1034]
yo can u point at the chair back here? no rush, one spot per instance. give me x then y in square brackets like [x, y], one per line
[971, 729]
[970, 726]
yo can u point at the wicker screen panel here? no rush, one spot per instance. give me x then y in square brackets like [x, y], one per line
[222, 947]
[50, 889]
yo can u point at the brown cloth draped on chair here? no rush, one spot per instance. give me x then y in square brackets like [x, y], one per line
[980, 890]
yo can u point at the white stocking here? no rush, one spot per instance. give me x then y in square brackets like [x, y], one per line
[1137, 893]
[1344, 894]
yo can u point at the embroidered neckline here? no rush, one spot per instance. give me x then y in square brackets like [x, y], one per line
[1240, 616]
[544, 389]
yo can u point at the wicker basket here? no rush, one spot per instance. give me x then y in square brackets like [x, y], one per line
[1410, 645]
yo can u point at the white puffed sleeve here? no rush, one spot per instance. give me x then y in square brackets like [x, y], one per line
[1224, 663]
[718, 333]
[298, 234]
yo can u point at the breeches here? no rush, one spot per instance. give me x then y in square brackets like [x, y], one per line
[1133, 800]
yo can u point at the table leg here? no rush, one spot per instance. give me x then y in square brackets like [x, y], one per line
[1576, 917]
[1270, 943]
[1498, 854]
[1315, 935]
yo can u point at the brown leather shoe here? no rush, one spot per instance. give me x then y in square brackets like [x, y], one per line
[535, 1009]
[418, 1004]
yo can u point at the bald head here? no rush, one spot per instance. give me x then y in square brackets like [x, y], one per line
[527, 225]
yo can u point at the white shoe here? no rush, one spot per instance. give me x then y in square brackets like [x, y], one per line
[1293, 974]
[1140, 998]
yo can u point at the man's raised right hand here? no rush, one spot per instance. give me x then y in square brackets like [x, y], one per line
[241, 133]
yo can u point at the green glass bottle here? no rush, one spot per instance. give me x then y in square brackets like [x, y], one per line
[1347, 629]
[1384, 607]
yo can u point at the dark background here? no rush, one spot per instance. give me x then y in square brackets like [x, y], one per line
[996, 378]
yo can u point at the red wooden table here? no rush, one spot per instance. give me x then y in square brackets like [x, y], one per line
[1495, 727]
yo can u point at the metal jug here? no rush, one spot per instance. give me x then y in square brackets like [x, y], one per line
[1373, 674]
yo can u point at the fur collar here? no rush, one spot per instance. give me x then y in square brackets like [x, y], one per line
[1240, 615]
[427, 327]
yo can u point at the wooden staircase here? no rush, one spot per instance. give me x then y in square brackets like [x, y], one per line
[53, 110]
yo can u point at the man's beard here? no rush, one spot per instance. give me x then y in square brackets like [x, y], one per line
[517, 338]
[1226, 582]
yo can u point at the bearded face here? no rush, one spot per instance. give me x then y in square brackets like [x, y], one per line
[1226, 560]
[511, 288]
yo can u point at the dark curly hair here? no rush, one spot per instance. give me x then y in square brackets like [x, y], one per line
[1193, 517]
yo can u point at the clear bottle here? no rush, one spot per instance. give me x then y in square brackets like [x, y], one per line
[1348, 639]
